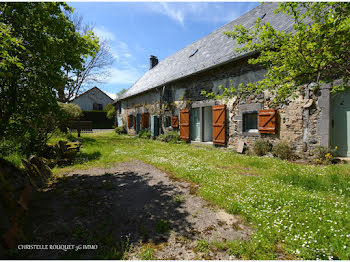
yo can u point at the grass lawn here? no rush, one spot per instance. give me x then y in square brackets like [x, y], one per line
[299, 210]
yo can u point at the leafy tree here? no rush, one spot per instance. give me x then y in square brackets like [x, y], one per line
[110, 109]
[318, 50]
[38, 45]
[94, 66]
[121, 92]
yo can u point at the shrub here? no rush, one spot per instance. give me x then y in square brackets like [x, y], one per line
[68, 113]
[262, 147]
[324, 155]
[144, 133]
[171, 136]
[110, 109]
[284, 151]
[120, 130]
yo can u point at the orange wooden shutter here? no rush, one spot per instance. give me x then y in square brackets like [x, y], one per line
[145, 120]
[185, 124]
[267, 121]
[175, 122]
[219, 128]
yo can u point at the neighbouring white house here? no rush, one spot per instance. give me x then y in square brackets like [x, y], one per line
[92, 99]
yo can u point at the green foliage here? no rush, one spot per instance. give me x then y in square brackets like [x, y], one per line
[262, 147]
[284, 151]
[169, 137]
[120, 130]
[110, 109]
[162, 227]
[144, 133]
[203, 246]
[69, 112]
[38, 45]
[72, 111]
[317, 51]
[325, 155]
[121, 92]
[146, 253]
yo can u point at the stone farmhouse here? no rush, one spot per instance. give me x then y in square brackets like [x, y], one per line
[92, 99]
[168, 97]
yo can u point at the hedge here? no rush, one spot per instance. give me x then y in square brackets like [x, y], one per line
[99, 119]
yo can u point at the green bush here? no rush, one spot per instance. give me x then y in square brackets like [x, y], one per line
[120, 130]
[283, 150]
[262, 147]
[144, 133]
[110, 109]
[324, 155]
[68, 113]
[171, 136]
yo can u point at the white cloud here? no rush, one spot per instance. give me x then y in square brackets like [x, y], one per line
[199, 11]
[123, 76]
[111, 95]
[103, 33]
[176, 14]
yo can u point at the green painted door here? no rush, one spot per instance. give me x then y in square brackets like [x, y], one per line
[340, 122]
[195, 124]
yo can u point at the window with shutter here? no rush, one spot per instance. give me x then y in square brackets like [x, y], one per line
[175, 122]
[250, 122]
[219, 124]
[185, 124]
[268, 121]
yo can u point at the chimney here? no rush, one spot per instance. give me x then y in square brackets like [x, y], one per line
[153, 61]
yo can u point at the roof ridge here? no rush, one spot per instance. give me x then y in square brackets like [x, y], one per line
[89, 91]
[213, 50]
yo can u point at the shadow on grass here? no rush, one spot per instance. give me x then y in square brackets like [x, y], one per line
[83, 157]
[88, 140]
[112, 211]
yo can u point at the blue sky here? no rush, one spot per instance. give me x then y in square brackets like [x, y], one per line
[136, 30]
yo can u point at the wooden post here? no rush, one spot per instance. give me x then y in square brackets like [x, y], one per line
[78, 129]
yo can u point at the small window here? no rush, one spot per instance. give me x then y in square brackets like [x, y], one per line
[97, 106]
[167, 96]
[250, 122]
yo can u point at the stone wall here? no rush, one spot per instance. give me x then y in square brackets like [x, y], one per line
[303, 122]
[145, 102]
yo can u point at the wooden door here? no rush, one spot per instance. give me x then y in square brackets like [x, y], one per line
[185, 124]
[219, 124]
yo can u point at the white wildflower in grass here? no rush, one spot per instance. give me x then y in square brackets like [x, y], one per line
[305, 207]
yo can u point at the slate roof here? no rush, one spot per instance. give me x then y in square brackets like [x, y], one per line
[214, 50]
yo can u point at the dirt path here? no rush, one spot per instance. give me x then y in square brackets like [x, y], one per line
[130, 204]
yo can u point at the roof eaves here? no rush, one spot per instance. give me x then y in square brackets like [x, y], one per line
[194, 73]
